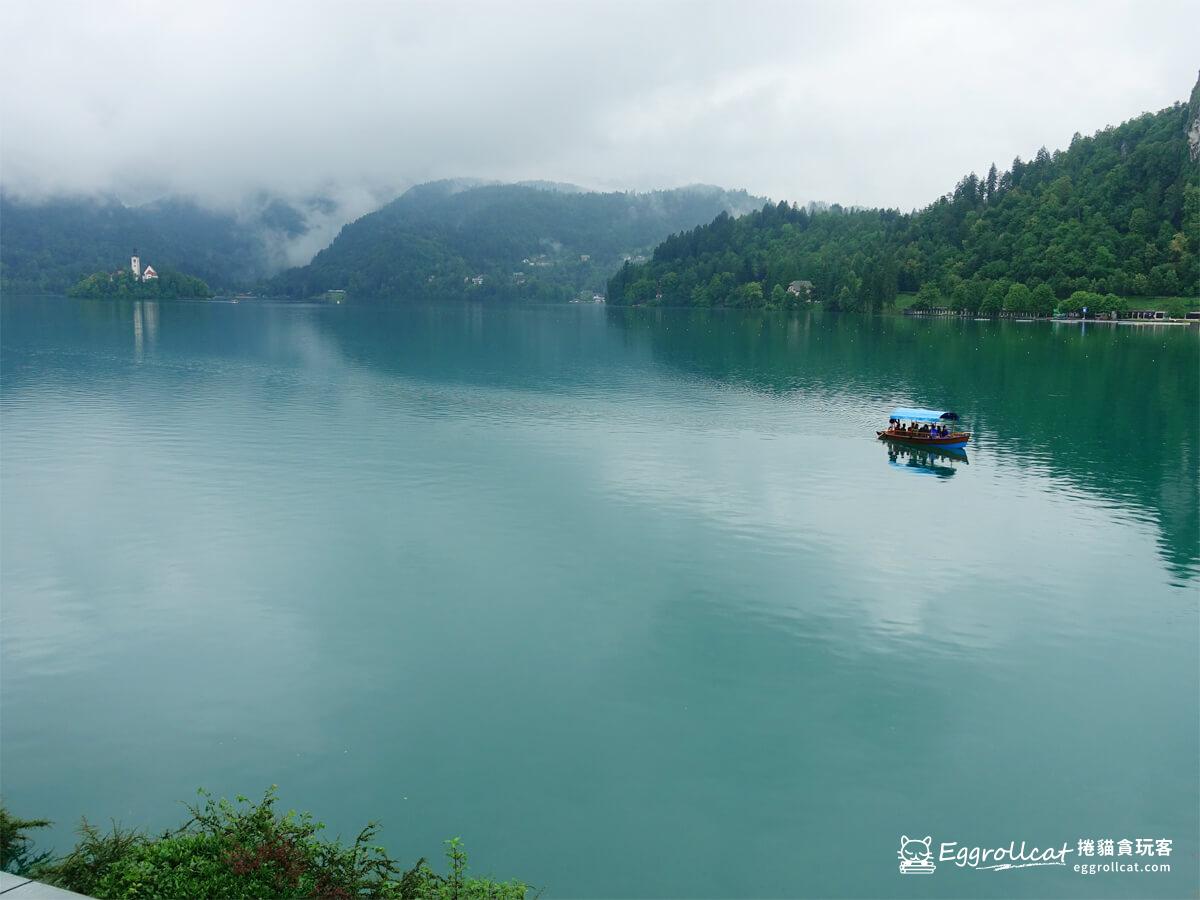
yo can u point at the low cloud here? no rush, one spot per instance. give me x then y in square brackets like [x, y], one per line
[860, 103]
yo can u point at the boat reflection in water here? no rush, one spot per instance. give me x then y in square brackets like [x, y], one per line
[926, 460]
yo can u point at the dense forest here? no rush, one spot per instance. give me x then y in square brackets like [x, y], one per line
[47, 246]
[1113, 218]
[531, 241]
[169, 285]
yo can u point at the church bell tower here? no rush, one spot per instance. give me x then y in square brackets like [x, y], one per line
[135, 264]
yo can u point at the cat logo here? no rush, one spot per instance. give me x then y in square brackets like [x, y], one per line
[916, 855]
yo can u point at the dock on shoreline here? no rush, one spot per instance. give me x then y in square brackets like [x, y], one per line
[1063, 320]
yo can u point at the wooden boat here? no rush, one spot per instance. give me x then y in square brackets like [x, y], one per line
[905, 423]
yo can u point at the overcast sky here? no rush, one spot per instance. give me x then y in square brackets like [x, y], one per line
[861, 103]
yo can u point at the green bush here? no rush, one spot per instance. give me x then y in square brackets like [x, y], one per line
[425, 884]
[1019, 299]
[1080, 300]
[993, 299]
[81, 869]
[928, 297]
[16, 847]
[248, 850]
[1178, 307]
[1042, 300]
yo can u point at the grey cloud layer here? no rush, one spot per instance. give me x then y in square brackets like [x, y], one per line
[865, 103]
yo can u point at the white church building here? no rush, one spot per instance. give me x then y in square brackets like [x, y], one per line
[135, 266]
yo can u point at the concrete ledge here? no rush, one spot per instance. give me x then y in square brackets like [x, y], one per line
[18, 887]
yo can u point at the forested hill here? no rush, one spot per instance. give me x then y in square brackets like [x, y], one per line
[47, 246]
[1115, 213]
[534, 241]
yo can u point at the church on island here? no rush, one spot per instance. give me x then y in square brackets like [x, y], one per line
[135, 266]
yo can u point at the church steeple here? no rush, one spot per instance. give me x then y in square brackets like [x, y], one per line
[135, 264]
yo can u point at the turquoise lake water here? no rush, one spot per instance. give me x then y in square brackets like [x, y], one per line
[631, 600]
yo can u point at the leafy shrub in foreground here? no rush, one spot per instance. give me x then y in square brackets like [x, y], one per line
[248, 850]
[16, 847]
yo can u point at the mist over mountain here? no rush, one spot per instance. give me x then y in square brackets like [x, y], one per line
[48, 243]
[537, 241]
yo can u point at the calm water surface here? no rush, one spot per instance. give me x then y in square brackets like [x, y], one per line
[631, 600]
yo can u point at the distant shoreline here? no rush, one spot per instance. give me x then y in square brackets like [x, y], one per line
[378, 303]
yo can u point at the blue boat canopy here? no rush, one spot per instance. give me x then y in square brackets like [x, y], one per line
[914, 414]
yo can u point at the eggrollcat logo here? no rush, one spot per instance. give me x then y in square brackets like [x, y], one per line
[916, 855]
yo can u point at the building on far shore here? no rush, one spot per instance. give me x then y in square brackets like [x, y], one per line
[801, 289]
[135, 266]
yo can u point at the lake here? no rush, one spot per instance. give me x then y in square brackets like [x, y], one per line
[631, 600]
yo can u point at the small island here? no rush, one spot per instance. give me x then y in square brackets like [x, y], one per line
[141, 283]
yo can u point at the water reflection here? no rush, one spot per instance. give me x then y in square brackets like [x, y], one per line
[145, 327]
[925, 460]
[1067, 402]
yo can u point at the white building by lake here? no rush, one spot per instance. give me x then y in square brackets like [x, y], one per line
[135, 266]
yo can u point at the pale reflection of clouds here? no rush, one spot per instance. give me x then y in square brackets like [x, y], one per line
[914, 556]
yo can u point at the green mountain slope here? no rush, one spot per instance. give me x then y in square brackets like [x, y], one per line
[45, 247]
[530, 241]
[1118, 212]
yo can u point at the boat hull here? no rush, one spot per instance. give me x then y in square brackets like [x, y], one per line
[956, 441]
